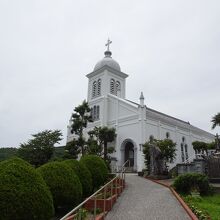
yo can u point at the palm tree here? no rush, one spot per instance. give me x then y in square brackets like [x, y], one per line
[215, 120]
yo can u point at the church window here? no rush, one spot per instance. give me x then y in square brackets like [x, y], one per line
[91, 112]
[167, 135]
[97, 112]
[94, 113]
[94, 89]
[186, 151]
[183, 139]
[112, 86]
[182, 153]
[99, 87]
[118, 87]
[151, 138]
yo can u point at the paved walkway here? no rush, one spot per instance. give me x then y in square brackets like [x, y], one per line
[144, 200]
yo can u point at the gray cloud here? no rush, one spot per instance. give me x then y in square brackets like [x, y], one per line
[170, 49]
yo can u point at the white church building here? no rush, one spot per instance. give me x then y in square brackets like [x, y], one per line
[134, 122]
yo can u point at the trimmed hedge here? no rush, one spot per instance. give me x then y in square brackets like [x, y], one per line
[23, 192]
[185, 183]
[63, 183]
[83, 173]
[97, 168]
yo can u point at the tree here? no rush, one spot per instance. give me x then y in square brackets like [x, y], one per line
[104, 135]
[80, 119]
[167, 147]
[215, 120]
[72, 150]
[40, 148]
[199, 146]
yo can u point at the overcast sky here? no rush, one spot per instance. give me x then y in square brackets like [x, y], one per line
[170, 49]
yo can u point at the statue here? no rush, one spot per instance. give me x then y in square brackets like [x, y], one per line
[157, 163]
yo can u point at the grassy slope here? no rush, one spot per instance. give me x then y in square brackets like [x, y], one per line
[209, 204]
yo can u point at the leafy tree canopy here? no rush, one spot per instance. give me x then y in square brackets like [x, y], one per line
[199, 146]
[72, 150]
[215, 120]
[167, 147]
[103, 136]
[40, 148]
[80, 119]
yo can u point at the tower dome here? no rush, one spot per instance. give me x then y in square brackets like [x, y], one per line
[107, 60]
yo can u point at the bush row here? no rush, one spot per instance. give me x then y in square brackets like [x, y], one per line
[28, 193]
[189, 182]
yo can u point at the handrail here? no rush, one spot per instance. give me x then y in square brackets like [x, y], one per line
[121, 174]
[127, 161]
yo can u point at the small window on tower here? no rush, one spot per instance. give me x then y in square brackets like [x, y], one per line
[112, 86]
[97, 112]
[94, 89]
[94, 112]
[118, 87]
[99, 87]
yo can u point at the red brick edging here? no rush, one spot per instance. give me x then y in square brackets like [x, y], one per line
[182, 203]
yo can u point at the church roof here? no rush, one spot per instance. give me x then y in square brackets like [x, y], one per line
[107, 61]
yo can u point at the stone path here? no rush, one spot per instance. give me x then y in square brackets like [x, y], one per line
[142, 199]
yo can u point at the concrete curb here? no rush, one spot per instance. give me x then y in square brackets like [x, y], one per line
[181, 201]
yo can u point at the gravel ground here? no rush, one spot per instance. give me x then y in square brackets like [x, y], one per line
[142, 199]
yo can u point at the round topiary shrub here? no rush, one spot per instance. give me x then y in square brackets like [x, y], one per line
[188, 182]
[83, 173]
[63, 183]
[23, 192]
[97, 168]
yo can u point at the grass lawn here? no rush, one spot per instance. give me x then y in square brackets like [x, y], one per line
[207, 204]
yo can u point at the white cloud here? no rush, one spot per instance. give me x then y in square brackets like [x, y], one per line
[170, 49]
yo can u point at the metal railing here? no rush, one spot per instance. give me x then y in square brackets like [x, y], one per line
[119, 180]
[117, 169]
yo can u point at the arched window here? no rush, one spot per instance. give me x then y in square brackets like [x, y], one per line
[94, 89]
[182, 153]
[94, 113]
[167, 135]
[183, 139]
[99, 87]
[151, 138]
[91, 112]
[112, 86]
[118, 87]
[186, 151]
[97, 112]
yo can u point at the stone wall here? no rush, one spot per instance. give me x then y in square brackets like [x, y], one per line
[197, 166]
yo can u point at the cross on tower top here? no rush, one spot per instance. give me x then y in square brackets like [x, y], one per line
[108, 43]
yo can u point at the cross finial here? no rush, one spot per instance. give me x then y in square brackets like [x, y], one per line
[107, 44]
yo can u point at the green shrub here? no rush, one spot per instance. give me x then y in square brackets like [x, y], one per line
[63, 183]
[188, 182]
[23, 192]
[83, 173]
[97, 168]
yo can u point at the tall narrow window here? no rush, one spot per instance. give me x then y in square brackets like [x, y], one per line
[94, 89]
[186, 151]
[118, 88]
[99, 87]
[167, 135]
[182, 153]
[97, 112]
[91, 112]
[94, 112]
[112, 86]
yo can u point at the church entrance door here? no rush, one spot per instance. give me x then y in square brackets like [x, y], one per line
[129, 154]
